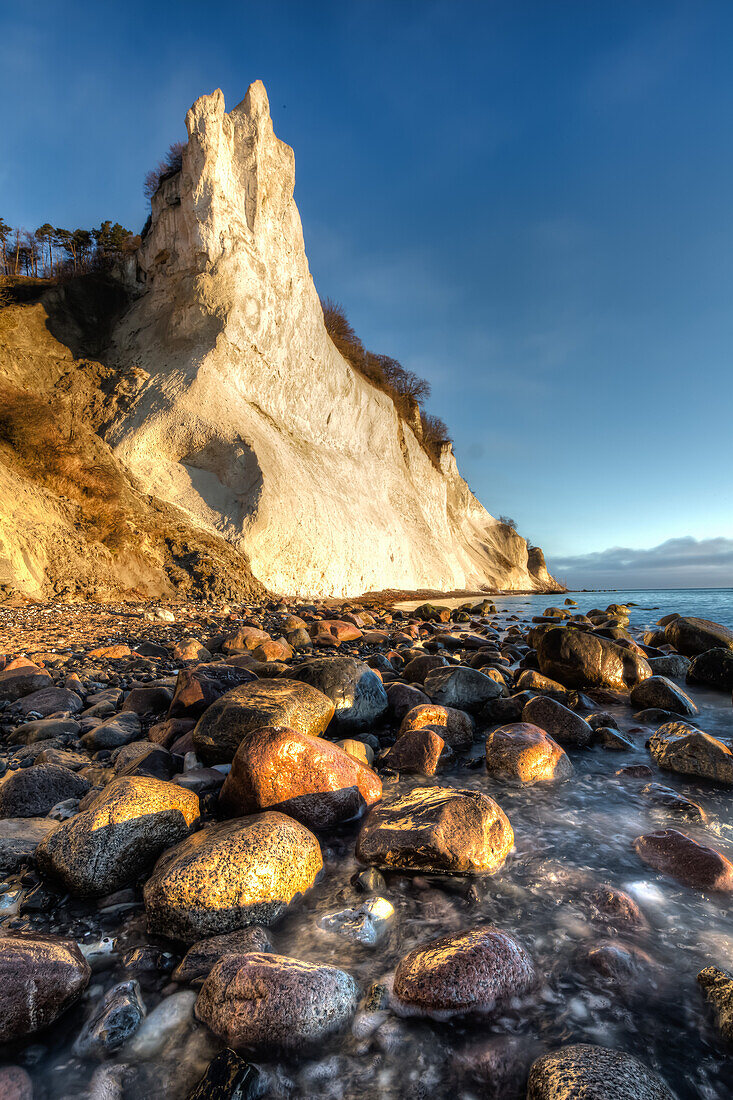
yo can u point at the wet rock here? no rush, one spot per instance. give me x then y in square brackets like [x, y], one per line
[613, 906]
[476, 971]
[40, 977]
[625, 968]
[168, 1020]
[660, 692]
[229, 1077]
[524, 753]
[563, 725]
[579, 659]
[332, 632]
[611, 739]
[682, 748]
[531, 680]
[292, 703]
[368, 924]
[499, 1065]
[231, 875]
[270, 1002]
[674, 801]
[593, 1073]
[717, 986]
[188, 649]
[673, 853]
[32, 792]
[672, 664]
[199, 960]
[692, 636]
[150, 760]
[416, 752]
[244, 639]
[461, 688]
[305, 777]
[714, 668]
[15, 1084]
[125, 830]
[113, 1021]
[635, 771]
[437, 829]
[454, 726]
[19, 838]
[355, 690]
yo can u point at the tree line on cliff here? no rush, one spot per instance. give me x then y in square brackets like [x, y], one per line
[51, 250]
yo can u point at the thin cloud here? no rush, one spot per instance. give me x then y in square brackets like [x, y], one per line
[677, 563]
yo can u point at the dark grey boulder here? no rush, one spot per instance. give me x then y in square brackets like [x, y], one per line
[462, 688]
[113, 1021]
[713, 668]
[564, 726]
[659, 692]
[31, 792]
[578, 658]
[41, 976]
[692, 636]
[672, 664]
[354, 688]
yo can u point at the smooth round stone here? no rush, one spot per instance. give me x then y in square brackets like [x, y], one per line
[32, 792]
[437, 829]
[113, 1021]
[454, 726]
[586, 1072]
[471, 972]
[714, 668]
[563, 725]
[523, 753]
[692, 636]
[416, 752]
[673, 801]
[268, 1003]
[231, 875]
[682, 748]
[461, 688]
[201, 958]
[356, 691]
[579, 659]
[659, 692]
[40, 976]
[673, 853]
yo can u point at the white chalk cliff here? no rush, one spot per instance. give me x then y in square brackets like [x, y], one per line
[246, 415]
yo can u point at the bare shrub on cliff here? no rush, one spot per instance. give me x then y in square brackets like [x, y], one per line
[171, 163]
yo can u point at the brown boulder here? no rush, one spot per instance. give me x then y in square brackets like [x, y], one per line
[312, 780]
[437, 829]
[578, 658]
[292, 703]
[522, 752]
[416, 752]
[476, 971]
[685, 749]
[201, 958]
[676, 854]
[40, 976]
[454, 726]
[198, 687]
[269, 1002]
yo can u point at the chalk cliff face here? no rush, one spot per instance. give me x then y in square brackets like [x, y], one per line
[248, 418]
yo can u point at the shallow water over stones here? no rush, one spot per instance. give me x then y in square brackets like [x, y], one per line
[619, 973]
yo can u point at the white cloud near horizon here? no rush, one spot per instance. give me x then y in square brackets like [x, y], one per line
[677, 563]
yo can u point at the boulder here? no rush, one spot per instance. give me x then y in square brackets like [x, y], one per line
[437, 829]
[231, 875]
[120, 730]
[681, 748]
[454, 726]
[113, 1021]
[200, 686]
[593, 1073]
[268, 1003]
[49, 700]
[461, 687]
[674, 801]
[403, 698]
[25, 680]
[146, 699]
[32, 792]
[672, 664]
[293, 703]
[40, 976]
[19, 838]
[717, 986]
[714, 668]
[123, 831]
[579, 659]
[416, 752]
[201, 958]
[312, 780]
[417, 669]
[354, 688]
[478, 971]
[563, 725]
[695, 865]
[660, 692]
[524, 753]
[692, 636]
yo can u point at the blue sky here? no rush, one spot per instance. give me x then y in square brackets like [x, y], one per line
[527, 203]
